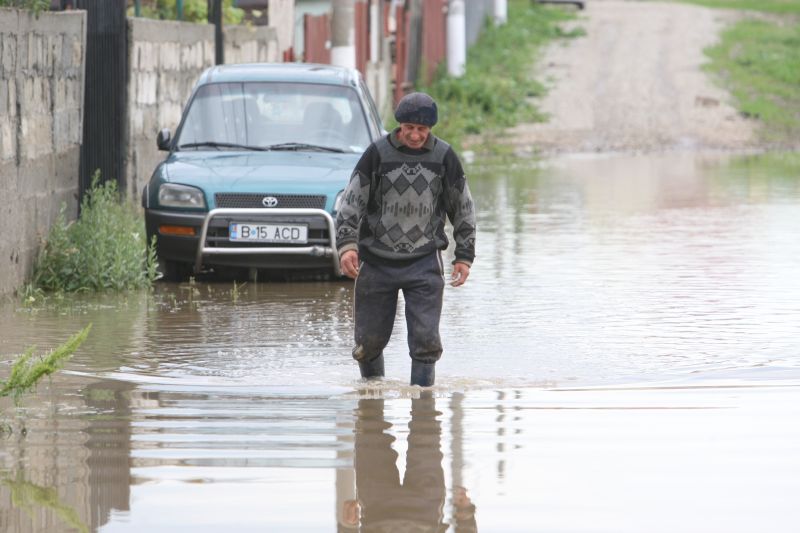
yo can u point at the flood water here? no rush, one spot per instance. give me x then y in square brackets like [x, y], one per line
[625, 357]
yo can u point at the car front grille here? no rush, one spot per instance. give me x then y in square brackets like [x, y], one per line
[249, 200]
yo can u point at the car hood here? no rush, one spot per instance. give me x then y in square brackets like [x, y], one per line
[261, 172]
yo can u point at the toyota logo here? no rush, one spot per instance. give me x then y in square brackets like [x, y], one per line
[269, 201]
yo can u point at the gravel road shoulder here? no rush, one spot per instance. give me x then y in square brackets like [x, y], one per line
[635, 83]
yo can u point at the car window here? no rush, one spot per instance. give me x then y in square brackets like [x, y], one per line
[265, 114]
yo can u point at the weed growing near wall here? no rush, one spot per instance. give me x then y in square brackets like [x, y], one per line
[106, 248]
[496, 89]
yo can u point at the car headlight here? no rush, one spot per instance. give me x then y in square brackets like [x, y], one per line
[173, 195]
[338, 202]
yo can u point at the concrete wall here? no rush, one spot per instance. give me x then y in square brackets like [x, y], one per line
[165, 60]
[252, 44]
[282, 18]
[41, 113]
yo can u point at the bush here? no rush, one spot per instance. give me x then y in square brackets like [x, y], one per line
[33, 5]
[106, 248]
[193, 11]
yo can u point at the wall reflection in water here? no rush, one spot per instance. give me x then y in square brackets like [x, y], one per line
[64, 473]
[380, 500]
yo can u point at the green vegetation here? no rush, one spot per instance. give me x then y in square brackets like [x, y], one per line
[36, 6]
[193, 11]
[27, 370]
[776, 169]
[768, 6]
[758, 60]
[30, 497]
[760, 63]
[106, 248]
[496, 89]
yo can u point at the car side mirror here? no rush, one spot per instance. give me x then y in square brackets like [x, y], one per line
[163, 140]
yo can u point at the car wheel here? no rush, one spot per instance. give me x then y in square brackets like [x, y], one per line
[173, 270]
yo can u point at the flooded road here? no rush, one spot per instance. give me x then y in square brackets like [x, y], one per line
[624, 357]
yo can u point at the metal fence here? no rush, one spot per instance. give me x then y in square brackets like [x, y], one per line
[316, 36]
[105, 91]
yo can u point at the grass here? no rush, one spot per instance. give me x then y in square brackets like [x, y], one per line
[759, 62]
[27, 370]
[106, 248]
[496, 90]
[767, 6]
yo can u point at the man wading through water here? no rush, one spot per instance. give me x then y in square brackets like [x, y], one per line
[391, 232]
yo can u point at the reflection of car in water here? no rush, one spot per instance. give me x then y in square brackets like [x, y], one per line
[257, 167]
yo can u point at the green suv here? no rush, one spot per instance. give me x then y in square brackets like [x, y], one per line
[257, 167]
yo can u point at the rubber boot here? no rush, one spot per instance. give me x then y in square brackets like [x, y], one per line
[372, 369]
[422, 374]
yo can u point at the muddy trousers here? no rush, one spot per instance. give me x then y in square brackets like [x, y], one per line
[376, 292]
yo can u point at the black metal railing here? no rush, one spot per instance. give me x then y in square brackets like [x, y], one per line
[105, 91]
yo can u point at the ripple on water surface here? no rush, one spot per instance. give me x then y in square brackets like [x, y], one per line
[589, 270]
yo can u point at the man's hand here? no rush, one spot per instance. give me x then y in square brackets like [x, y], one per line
[348, 262]
[460, 274]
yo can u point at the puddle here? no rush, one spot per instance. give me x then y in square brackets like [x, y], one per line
[623, 358]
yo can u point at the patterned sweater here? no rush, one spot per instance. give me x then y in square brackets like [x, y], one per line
[395, 205]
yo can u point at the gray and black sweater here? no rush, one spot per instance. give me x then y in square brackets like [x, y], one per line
[394, 207]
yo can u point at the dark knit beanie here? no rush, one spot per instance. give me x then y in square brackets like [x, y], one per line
[417, 108]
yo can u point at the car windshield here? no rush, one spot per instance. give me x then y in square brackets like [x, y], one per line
[275, 116]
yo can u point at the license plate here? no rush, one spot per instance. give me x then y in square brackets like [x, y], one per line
[274, 233]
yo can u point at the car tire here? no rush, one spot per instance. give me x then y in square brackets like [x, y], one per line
[173, 270]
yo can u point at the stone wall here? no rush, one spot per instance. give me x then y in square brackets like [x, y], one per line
[165, 60]
[281, 17]
[252, 44]
[41, 113]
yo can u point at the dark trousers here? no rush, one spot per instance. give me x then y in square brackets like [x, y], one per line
[376, 290]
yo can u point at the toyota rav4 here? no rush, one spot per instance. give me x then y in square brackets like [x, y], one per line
[257, 167]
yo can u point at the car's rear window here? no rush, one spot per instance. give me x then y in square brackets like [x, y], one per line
[266, 114]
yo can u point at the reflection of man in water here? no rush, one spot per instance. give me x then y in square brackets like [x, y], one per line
[416, 504]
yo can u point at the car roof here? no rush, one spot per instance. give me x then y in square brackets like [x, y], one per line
[280, 72]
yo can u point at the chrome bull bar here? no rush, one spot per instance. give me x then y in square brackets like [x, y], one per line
[315, 250]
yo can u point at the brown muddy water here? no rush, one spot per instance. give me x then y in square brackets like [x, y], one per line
[624, 358]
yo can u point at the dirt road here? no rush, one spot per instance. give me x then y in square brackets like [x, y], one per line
[635, 83]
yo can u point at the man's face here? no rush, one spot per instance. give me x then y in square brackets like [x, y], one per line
[414, 135]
